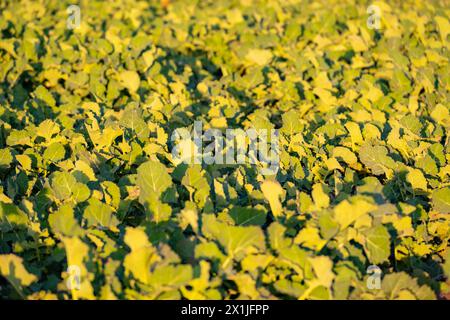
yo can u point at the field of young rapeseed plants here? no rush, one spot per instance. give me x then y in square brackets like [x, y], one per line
[97, 203]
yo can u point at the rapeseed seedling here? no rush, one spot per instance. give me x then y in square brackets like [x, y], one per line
[96, 204]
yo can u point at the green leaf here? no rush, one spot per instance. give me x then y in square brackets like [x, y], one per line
[65, 186]
[152, 179]
[100, 214]
[196, 183]
[12, 268]
[54, 152]
[375, 158]
[142, 254]
[248, 216]
[412, 123]
[291, 288]
[5, 158]
[348, 211]
[291, 123]
[11, 217]
[320, 195]
[63, 183]
[417, 180]
[273, 191]
[377, 244]
[259, 56]
[396, 283]
[234, 239]
[441, 200]
[42, 94]
[170, 276]
[428, 165]
[345, 155]
[277, 237]
[18, 137]
[63, 221]
[77, 253]
[132, 119]
[130, 80]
